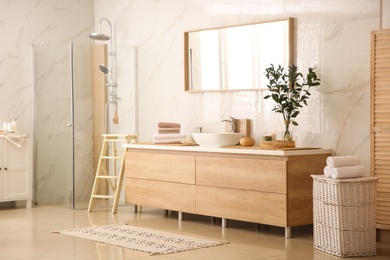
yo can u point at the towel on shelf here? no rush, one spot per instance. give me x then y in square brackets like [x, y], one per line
[327, 171]
[342, 167]
[344, 172]
[340, 161]
[157, 136]
[168, 128]
[168, 141]
[173, 130]
[168, 125]
[168, 138]
[15, 139]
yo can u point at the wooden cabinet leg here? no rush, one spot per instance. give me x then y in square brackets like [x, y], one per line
[180, 216]
[135, 208]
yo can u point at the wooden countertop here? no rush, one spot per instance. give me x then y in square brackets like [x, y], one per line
[229, 149]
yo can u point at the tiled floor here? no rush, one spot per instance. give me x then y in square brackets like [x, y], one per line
[25, 234]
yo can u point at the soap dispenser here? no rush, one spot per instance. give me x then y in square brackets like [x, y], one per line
[13, 125]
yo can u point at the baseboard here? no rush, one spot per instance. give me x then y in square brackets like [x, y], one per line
[383, 235]
[7, 204]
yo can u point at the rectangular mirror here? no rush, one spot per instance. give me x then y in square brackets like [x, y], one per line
[235, 58]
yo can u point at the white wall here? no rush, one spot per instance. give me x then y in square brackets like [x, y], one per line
[333, 36]
[385, 14]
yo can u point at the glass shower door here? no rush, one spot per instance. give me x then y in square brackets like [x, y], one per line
[83, 173]
[63, 124]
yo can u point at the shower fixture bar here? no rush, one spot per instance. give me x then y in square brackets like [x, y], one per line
[111, 52]
[109, 71]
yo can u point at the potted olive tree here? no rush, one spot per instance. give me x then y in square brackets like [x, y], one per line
[290, 90]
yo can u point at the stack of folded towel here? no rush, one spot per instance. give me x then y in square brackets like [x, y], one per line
[342, 167]
[168, 128]
[168, 133]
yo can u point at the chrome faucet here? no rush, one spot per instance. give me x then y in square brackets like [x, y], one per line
[232, 122]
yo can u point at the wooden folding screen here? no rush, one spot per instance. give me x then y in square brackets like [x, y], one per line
[380, 123]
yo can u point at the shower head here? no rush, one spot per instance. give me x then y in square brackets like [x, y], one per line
[99, 36]
[103, 68]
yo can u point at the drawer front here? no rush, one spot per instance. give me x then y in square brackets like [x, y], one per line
[242, 173]
[164, 195]
[160, 166]
[258, 207]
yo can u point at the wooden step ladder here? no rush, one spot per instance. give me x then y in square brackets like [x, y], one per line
[112, 152]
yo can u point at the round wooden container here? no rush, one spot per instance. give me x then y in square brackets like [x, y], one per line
[247, 141]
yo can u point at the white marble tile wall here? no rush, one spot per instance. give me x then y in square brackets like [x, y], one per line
[333, 36]
[385, 17]
[26, 23]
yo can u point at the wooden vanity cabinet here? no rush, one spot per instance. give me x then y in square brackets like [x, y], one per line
[266, 189]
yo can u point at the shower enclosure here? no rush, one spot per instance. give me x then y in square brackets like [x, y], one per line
[63, 141]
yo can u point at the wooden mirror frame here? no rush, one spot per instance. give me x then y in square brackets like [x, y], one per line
[187, 75]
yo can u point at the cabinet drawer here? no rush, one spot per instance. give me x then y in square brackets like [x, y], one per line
[164, 195]
[17, 185]
[252, 206]
[242, 173]
[160, 167]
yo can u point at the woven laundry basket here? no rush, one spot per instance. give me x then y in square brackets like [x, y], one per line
[344, 218]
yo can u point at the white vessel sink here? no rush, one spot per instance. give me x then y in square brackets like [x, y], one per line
[216, 139]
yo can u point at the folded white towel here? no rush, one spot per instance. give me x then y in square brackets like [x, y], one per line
[345, 172]
[157, 136]
[340, 161]
[168, 141]
[327, 171]
[15, 139]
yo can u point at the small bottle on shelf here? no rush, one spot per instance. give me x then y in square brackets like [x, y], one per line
[14, 127]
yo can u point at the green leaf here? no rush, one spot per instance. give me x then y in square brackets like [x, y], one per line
[295, 114]
[289, 89]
